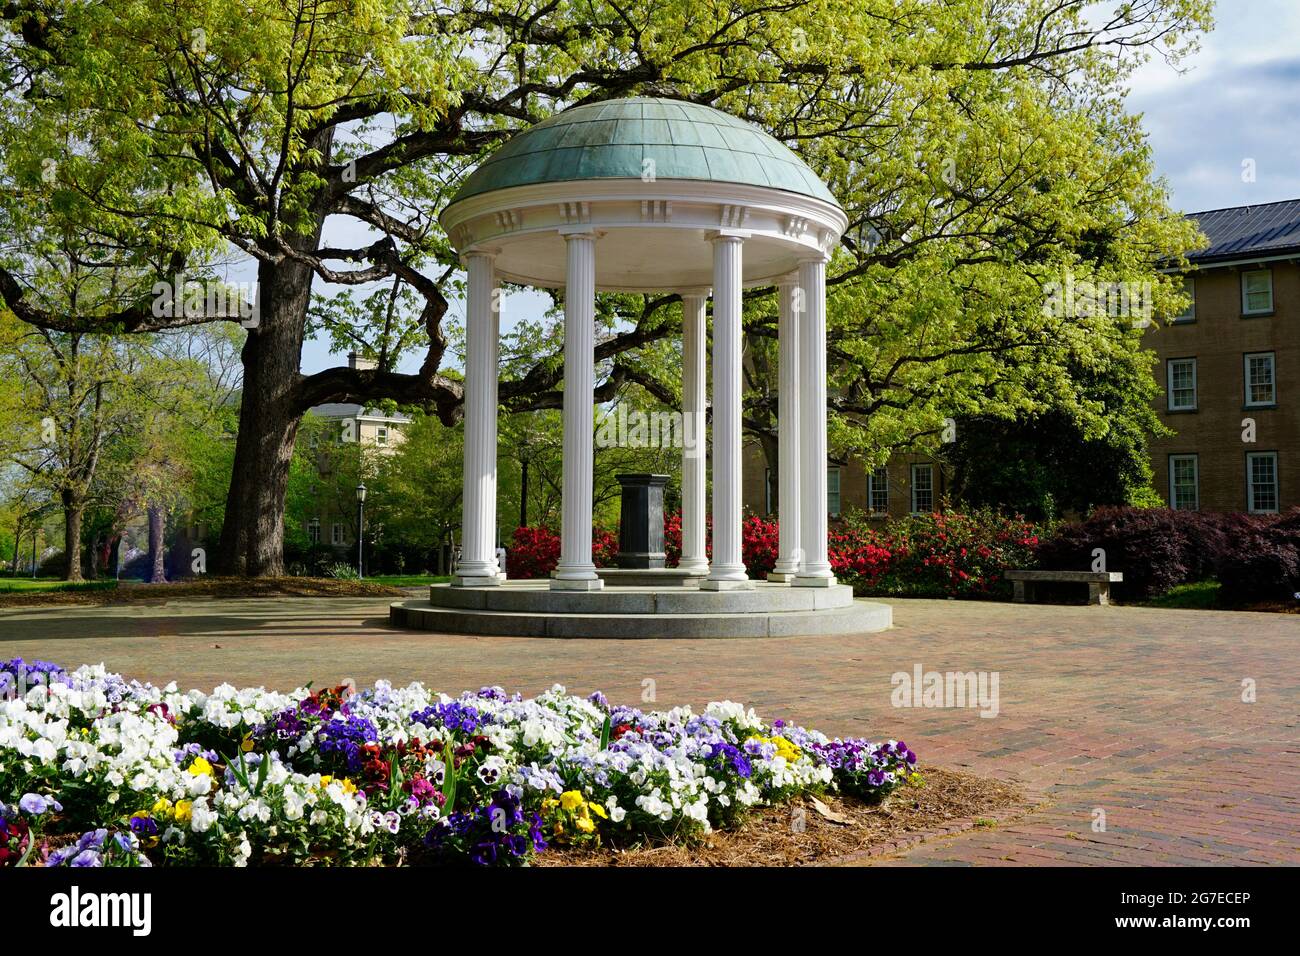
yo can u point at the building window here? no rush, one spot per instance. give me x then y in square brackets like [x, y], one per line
[922, 489]
[1257, 292]
[336, 533]
[1261, 382]
[1261, 482]
[833, 492]
[1184, 483]
[878, 491]
[313, 530]
[1181, 374]
[381, 435]
[1189, 289]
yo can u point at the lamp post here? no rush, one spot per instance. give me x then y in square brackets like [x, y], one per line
[361, 528]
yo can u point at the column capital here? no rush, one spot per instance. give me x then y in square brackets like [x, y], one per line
[578, 232]
[699, 292]
[727, 235]
[816, 256]
[789, 279]
[479, 252]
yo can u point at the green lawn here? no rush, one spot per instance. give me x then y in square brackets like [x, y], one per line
[408, 580]
[1200, 596]
[8, 584]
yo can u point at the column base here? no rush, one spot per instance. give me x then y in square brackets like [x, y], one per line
[781, 577]
[814, 581]
[697, 566]
[577, 584]
[709, 584]
[477, 580]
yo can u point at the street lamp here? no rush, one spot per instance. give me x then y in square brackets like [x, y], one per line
[361, 527]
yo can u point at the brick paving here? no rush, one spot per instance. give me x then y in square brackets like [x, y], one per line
[1134, 712]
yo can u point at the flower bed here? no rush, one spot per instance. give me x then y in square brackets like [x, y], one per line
[96, 770]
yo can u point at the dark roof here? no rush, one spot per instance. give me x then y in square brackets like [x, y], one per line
[352, 409]
[1240, 232]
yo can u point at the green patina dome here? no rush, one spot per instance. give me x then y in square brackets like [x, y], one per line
[611, 140]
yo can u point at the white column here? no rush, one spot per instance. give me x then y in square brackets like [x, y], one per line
[791, 553]
[728, 570]
[576, 572]
[694, 557]
[816, 570]
[478, 562]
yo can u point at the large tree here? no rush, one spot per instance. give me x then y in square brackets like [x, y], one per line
[978, 145]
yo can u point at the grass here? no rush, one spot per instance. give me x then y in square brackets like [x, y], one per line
[1198, 596]
[408, 580]
[51, 585]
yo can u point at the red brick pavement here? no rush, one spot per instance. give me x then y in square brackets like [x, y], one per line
[1131, 711]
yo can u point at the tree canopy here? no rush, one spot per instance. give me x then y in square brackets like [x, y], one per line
[980, 148]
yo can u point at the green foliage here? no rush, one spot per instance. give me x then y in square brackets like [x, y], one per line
[980, 150]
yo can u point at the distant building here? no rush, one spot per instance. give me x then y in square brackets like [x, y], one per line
[334, 523]
[1230, 367]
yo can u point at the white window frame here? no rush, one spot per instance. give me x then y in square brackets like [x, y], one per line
[1246, 291]
[872, 488]
[1189, 289]
[1272, 375]
[1195, 459]
[917, 468]
[313, 530]
[834, 500]
[336, 533]
[1251, 457]
[381, 434]
[1170, 404]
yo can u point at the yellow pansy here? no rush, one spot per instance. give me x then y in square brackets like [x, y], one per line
[162, 806]
[571, 799]
[247, 743]
[184, 811]
[200, 767]
[597, 809]
[584, 824]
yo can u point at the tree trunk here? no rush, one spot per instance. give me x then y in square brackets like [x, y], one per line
[73, 508]
[159, 574]
[252, 536]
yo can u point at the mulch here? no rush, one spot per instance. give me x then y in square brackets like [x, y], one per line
[797, 834]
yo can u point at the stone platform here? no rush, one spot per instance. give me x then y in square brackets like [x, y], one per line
[532, 609]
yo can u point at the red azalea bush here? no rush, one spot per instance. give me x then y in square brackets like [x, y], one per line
[673, 538]
[949, 554]
[535, 551]
[760, 546]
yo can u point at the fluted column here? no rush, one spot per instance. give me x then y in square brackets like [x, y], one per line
[790, 554]
[694, 557]
[816, 569]
[575, 571]
[728, 570]
[478, 562]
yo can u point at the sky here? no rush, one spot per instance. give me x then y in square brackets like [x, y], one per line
[1237, 102]
[1224, 128]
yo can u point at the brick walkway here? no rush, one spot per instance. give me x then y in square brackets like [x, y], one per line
[1130, 711]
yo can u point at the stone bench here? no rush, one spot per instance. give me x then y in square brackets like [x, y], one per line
[1098, 582]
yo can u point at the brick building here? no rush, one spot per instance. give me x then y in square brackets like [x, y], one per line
[1229, 368]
